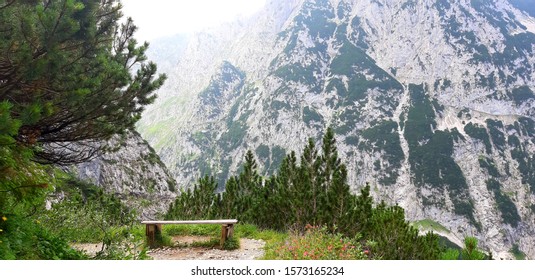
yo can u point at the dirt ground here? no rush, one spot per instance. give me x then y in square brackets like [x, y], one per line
[250, 249]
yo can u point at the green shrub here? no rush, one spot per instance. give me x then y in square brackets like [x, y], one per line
[318, 244]
[450, 255]
[470, 250]
[23, 238]
[232, 243]
[519, 255]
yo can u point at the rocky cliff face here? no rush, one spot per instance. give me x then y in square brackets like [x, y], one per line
[133, 172]
[432, 102]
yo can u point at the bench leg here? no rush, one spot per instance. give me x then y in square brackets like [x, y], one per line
[230, 230]
[226, 232]
[154, 234]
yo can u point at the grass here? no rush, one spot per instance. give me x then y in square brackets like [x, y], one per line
[195, 230]
[519, 255]
[428, 224]
[214, 231]
[316, 244]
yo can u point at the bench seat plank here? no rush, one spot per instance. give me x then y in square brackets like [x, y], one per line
[225, 222]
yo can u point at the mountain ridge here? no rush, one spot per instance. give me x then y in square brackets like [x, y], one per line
[432, 103]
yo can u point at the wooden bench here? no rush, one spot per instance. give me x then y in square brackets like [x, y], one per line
[154, 228]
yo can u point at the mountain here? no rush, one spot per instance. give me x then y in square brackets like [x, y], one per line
[134, 173]
[433, 103]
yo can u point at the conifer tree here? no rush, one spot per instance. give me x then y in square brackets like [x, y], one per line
[396, 238]
[249, 184]
[229, 199]
[309, 178]
[363, 210]
[315, 191]
[295, 200]
[65, 70]
[470, 250]
[333, 186]
[204, 198]
[278, 215]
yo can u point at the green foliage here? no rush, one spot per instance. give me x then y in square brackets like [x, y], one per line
[197, 230]
[312, 190]
[194, 203]
[23, 238]
[508, 209]
[526, 162]
[480, 133]
[395, 238]
[470, 250]
[522, 94]
[428, 225]
[297, 73]
[232, 138]
[228, 74]
[488, 164]
[232, 243]
[68, 77]
[212, 243]
[346, 63]
[262, 152]
[87, 214]
[310, 116]
[496, 134]
[318, 244]
[450, 255]
[384, 137]
[66, 86]
[430, 154]
[528, 126]
[519, 255]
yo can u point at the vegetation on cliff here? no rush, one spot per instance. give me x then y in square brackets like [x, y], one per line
[66, 86]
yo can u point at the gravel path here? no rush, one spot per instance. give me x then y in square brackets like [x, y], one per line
[250, 249]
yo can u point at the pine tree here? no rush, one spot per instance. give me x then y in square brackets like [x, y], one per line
[470, 250]
[363, 210]
[316, 192]
[295, 200]
[250, 184]
[229, 199]
[65, 70]
[309, 177]
[335, 192]
[204, 198]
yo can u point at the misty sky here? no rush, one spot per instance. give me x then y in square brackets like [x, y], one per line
[158, 18]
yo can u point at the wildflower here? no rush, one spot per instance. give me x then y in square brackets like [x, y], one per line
[366, 252]
[4, 218]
